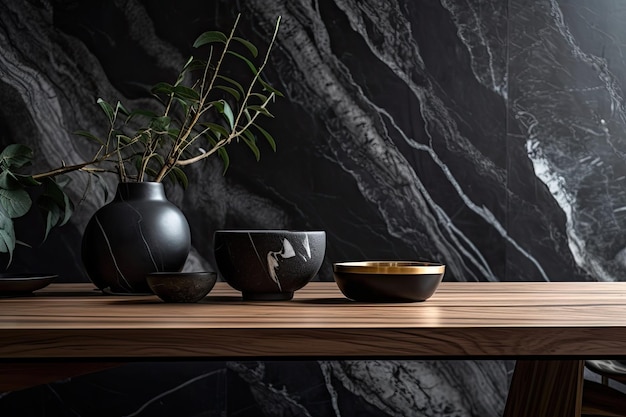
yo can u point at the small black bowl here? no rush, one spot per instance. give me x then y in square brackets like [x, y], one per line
[181, 287]
[388, 281]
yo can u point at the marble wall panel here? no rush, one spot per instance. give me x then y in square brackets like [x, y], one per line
[140, 389]
[485, 134]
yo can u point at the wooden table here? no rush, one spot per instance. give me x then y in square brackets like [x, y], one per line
[549, 327]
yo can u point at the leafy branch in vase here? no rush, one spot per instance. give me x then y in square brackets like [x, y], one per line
[201, 113]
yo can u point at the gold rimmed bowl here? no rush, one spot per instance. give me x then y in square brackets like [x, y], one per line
[388, 281]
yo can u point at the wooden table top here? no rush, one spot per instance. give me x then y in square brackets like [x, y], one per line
[495, 319]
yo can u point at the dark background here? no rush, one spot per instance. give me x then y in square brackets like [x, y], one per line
[485, 134]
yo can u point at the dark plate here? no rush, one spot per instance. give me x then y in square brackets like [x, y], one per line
[16, 284]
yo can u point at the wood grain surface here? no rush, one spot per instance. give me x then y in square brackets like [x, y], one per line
[495, 319]
[555, 387]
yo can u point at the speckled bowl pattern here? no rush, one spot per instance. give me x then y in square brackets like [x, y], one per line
[268, 264]
[181, 287]
[388, 281]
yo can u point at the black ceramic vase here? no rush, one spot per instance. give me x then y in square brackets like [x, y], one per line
[137, 233]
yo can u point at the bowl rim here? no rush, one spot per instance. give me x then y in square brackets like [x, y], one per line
[389, 267]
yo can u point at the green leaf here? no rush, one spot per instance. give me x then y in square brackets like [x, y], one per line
[101, 183]
[21, 243]
[16, 202]
[247, 114]
[253, 49]
[7, 234]
[55, 205]
[223, 154]
[62, 180]
[225, 158]
[252, 67]
[230, 91]
[137, 161]
[267, 136]
[215, 128]
[186, 93]
[173, 132]
[26, 180]
[144, 113]
[125, 140]
[224, 108]
[162, 88]
[260, 109]
[186, 67]
[53, 217]
[262, 97]
[188, 63]
[159, 158]
[119, 108]
[210, 37]
[184, 103]
[228, 112]
[160, 124]
[89, 135]
[250, 140]
[107, 109]
[16, 156]
[233, 82]
[196, 64]
[268, 87]
[180, 177]
[8, 180]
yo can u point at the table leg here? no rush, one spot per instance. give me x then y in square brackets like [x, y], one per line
[546, 388]
[20, 375]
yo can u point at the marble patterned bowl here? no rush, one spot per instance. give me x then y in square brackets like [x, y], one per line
[181, 287]
[268, 264]
[388, 281]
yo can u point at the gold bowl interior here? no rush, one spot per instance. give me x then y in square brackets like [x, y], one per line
[389, 267]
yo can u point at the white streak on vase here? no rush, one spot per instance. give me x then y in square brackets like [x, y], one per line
[258, 255]
[272, 260]
[117, 268]
[143, 238]
[307, 248]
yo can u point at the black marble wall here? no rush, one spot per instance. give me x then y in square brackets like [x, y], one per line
[484, 134]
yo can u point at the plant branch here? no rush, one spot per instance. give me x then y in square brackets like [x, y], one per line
[258, 73]
[182, 143]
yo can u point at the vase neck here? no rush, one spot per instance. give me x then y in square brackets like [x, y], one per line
[140, 190]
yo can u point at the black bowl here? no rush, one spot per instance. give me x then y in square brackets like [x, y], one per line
[181, 287]
[388, 281]
[268, 264]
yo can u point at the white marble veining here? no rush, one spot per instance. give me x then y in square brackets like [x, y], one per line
[483, 134]
[574, 128]
[481, 26]
[144, 408]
